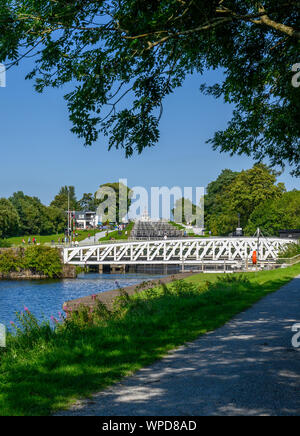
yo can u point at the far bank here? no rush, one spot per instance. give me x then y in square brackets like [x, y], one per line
[34, 263]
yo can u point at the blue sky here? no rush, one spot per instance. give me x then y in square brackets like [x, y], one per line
[39, 154]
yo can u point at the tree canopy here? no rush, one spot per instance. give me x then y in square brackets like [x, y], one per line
[114, 201]
[275, 215]
[144, 50]
[36, 218]
[186, 212]
[214, 191]
[65, 198]
[9, 219]
[88, 202]
[235, 201]
[32, 213]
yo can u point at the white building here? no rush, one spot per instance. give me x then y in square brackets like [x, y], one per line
[86, 220]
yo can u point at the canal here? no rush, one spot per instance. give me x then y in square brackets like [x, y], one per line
[46, 298]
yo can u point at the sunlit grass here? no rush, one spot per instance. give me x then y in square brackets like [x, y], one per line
[52, 371]
[47, 239]
[122, 235]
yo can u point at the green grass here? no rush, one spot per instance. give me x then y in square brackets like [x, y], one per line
[46, 239]
[178, 226]
[83, 234]
[39, 375]
[191, 234]
[115, 235]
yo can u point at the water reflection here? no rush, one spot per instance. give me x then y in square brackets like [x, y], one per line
[46, 298]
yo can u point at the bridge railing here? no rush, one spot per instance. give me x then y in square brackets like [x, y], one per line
[170, 251]
[289, 260]
[91, 242]
[115, 241]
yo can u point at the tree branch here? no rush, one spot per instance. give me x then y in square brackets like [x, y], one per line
[282, 28]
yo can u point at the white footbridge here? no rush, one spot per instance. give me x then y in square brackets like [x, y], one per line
[177, 251]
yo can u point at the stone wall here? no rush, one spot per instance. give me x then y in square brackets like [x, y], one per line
[22, 275]
[68, 272]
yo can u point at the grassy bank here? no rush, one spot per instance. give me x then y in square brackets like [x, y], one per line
[190, 234]
[82, 234]
[47, 239]
[43, 370]
[119, 236]
[178, 226]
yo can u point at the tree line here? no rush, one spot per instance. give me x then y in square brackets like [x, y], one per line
[251, 199]
[25, 215]
[248, 199]
[22, 214]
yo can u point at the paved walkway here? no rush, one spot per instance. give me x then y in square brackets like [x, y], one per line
[247, 367]
[93, 239]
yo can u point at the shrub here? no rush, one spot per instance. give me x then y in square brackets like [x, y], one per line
[10, 261]
[234, 279]
[45, 260]
[4, 243]
[37, 259]
[28, 332]
[291, 250]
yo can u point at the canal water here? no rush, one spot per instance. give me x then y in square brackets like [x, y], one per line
[46, 298]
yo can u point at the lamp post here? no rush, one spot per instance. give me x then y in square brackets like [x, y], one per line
[68, 214]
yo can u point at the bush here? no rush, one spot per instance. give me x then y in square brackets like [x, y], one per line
[291, 250]
[44, 260]
[37, 259]
[29, 332]
[10, 261]
[4, 243]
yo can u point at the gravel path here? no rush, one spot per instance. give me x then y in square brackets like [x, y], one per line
[247, 367]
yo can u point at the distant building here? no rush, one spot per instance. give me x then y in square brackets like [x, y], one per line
[145, 217]
[289, 234]
[237, 233]
[85, 220]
